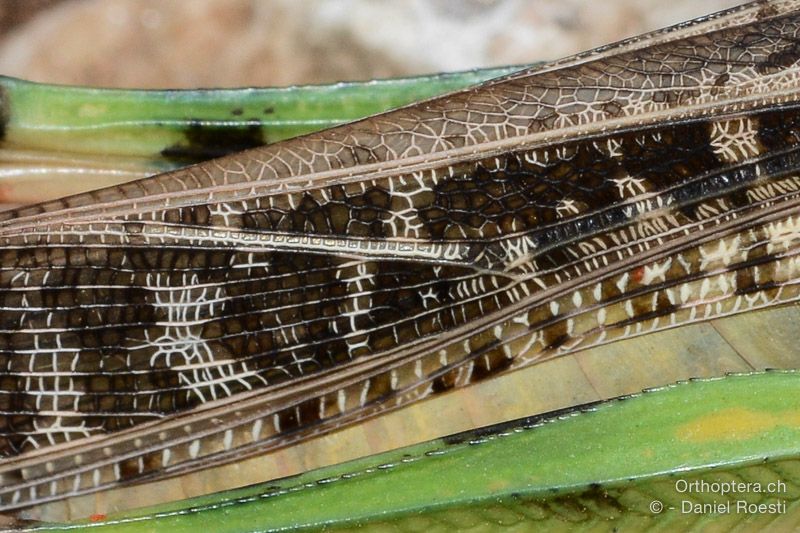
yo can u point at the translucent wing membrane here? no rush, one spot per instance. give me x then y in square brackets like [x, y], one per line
[255, 300]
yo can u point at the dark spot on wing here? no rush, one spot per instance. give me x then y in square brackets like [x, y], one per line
[745, 282]
[780, 60]
[779, 129]
[612, 109]
[380, 387]
[555, 335]
[204, 141]
[493, 362]
[720, 82]
[444, 383]
[766, 11]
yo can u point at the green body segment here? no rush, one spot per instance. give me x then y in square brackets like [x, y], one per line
[191, 125]
[600, 467]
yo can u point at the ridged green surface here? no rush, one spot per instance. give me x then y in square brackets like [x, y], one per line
[196, 124]
[596, 469]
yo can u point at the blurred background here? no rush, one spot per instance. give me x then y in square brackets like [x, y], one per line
[205, 43]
